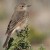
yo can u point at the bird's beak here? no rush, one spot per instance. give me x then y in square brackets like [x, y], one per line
[28, 5]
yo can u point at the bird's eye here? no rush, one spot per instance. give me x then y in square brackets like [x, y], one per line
[22, 6]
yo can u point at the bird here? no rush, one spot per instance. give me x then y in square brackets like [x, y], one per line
[18, 21]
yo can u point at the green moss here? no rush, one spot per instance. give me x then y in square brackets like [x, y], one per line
[22, 39]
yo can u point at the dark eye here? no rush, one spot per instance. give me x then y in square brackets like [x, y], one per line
[22, 6]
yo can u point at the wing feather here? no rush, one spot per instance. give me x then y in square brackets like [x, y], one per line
[16, 17]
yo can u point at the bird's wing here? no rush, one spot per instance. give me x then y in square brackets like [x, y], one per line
[16, 18]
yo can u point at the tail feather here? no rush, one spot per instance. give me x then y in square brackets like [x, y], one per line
[6, 42]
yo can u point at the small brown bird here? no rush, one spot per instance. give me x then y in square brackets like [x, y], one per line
[18, 21]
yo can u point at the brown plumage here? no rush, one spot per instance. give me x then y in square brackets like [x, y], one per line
[18, 19]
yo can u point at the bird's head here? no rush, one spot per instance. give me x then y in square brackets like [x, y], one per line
[22, 7]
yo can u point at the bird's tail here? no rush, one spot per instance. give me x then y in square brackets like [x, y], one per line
[6, 42]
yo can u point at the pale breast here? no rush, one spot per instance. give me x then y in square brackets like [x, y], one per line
[21, 25]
